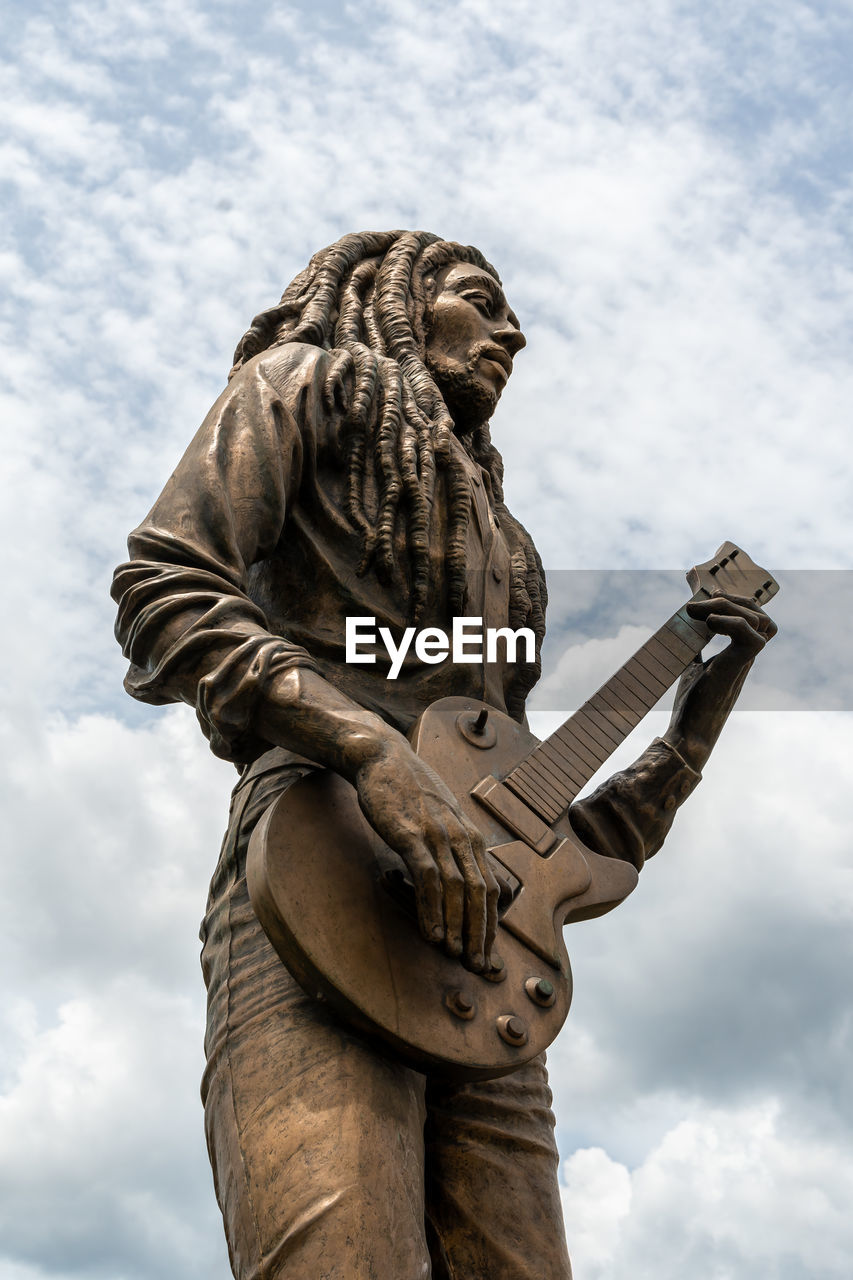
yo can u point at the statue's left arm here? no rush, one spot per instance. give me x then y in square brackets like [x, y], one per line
[630, 815]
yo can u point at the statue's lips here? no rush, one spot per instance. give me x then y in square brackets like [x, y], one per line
[500, 362]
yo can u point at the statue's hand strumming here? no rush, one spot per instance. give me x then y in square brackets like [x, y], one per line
[456, 893]
[404, 801]
[708, 690]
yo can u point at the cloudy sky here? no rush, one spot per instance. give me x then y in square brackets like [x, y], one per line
[666, 190]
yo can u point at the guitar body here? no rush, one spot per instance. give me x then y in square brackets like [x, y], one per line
[335, 902]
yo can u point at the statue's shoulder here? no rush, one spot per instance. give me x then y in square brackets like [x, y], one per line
[308, 378]
[301, 364]
[290, 360]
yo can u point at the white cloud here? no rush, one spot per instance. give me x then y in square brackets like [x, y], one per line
[102, 1163]
[102, 1167]
[116, 836]
[727, 1192]
[596, 1200]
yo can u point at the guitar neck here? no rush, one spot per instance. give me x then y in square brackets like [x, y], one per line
[552, 775]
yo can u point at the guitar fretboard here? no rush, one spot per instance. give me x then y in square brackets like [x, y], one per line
[552, 775]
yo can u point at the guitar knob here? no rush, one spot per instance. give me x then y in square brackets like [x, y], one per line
[460, 1003]
[476, 728]
[512, 1029]
[541, 991]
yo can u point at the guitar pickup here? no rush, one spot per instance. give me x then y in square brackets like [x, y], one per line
[515, 815]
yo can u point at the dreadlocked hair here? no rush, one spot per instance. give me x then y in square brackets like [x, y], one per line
[366, 297]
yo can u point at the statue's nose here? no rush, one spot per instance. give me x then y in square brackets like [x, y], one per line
[511, 339]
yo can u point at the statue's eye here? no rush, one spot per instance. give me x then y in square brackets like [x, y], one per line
[482, 302]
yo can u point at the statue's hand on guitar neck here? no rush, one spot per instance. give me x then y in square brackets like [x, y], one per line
[708, 690]
[456, 893]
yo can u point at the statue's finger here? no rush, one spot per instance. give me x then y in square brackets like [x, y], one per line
[453, 893]
[476, 901]
[425, 875]
[735, 606]
[493, 893]
[738, 629]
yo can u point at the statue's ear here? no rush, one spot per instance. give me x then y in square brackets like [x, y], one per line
[429, 288]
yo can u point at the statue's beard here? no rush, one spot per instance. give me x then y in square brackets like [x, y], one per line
[470, 402]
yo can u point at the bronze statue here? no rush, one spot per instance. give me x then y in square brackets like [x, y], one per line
[348, 472]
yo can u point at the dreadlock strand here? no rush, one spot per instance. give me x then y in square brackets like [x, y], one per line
[419, 512]
[391, 482]
[459, 506]
[424, 436]
[349, 327]
[355, 481]
[371, 324]
[366, 376]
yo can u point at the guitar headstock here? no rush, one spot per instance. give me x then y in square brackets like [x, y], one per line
[732, 572]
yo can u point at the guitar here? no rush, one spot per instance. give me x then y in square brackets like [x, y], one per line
[337, 905]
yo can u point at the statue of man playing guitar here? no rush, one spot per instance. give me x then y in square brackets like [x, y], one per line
[348, 471]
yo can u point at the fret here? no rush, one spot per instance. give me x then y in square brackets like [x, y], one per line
[583, 722]
[608, 700]
[566, 751]
[682, 652]
[531, 796]
[547, 809]
[637, 688]
[543, 790]
[540, 775]
[690, 630]
[652, 675]
[552, 810]
[574, 771]
[549, 771]
[602, 722]
[553, 792]
[539, 802]
[665, 657]
[575, 739]
[589, 749]
[618, 724]
[661, 663]
[619, 690]
[633, 677]
[645, 680]
[566, 758]
[654, 669]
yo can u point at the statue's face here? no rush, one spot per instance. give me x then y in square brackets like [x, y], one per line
[473, 336]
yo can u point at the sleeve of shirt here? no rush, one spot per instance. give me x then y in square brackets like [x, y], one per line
[185, 620]
[630, 815]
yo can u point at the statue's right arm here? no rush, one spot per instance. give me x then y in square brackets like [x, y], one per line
[192, 634]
